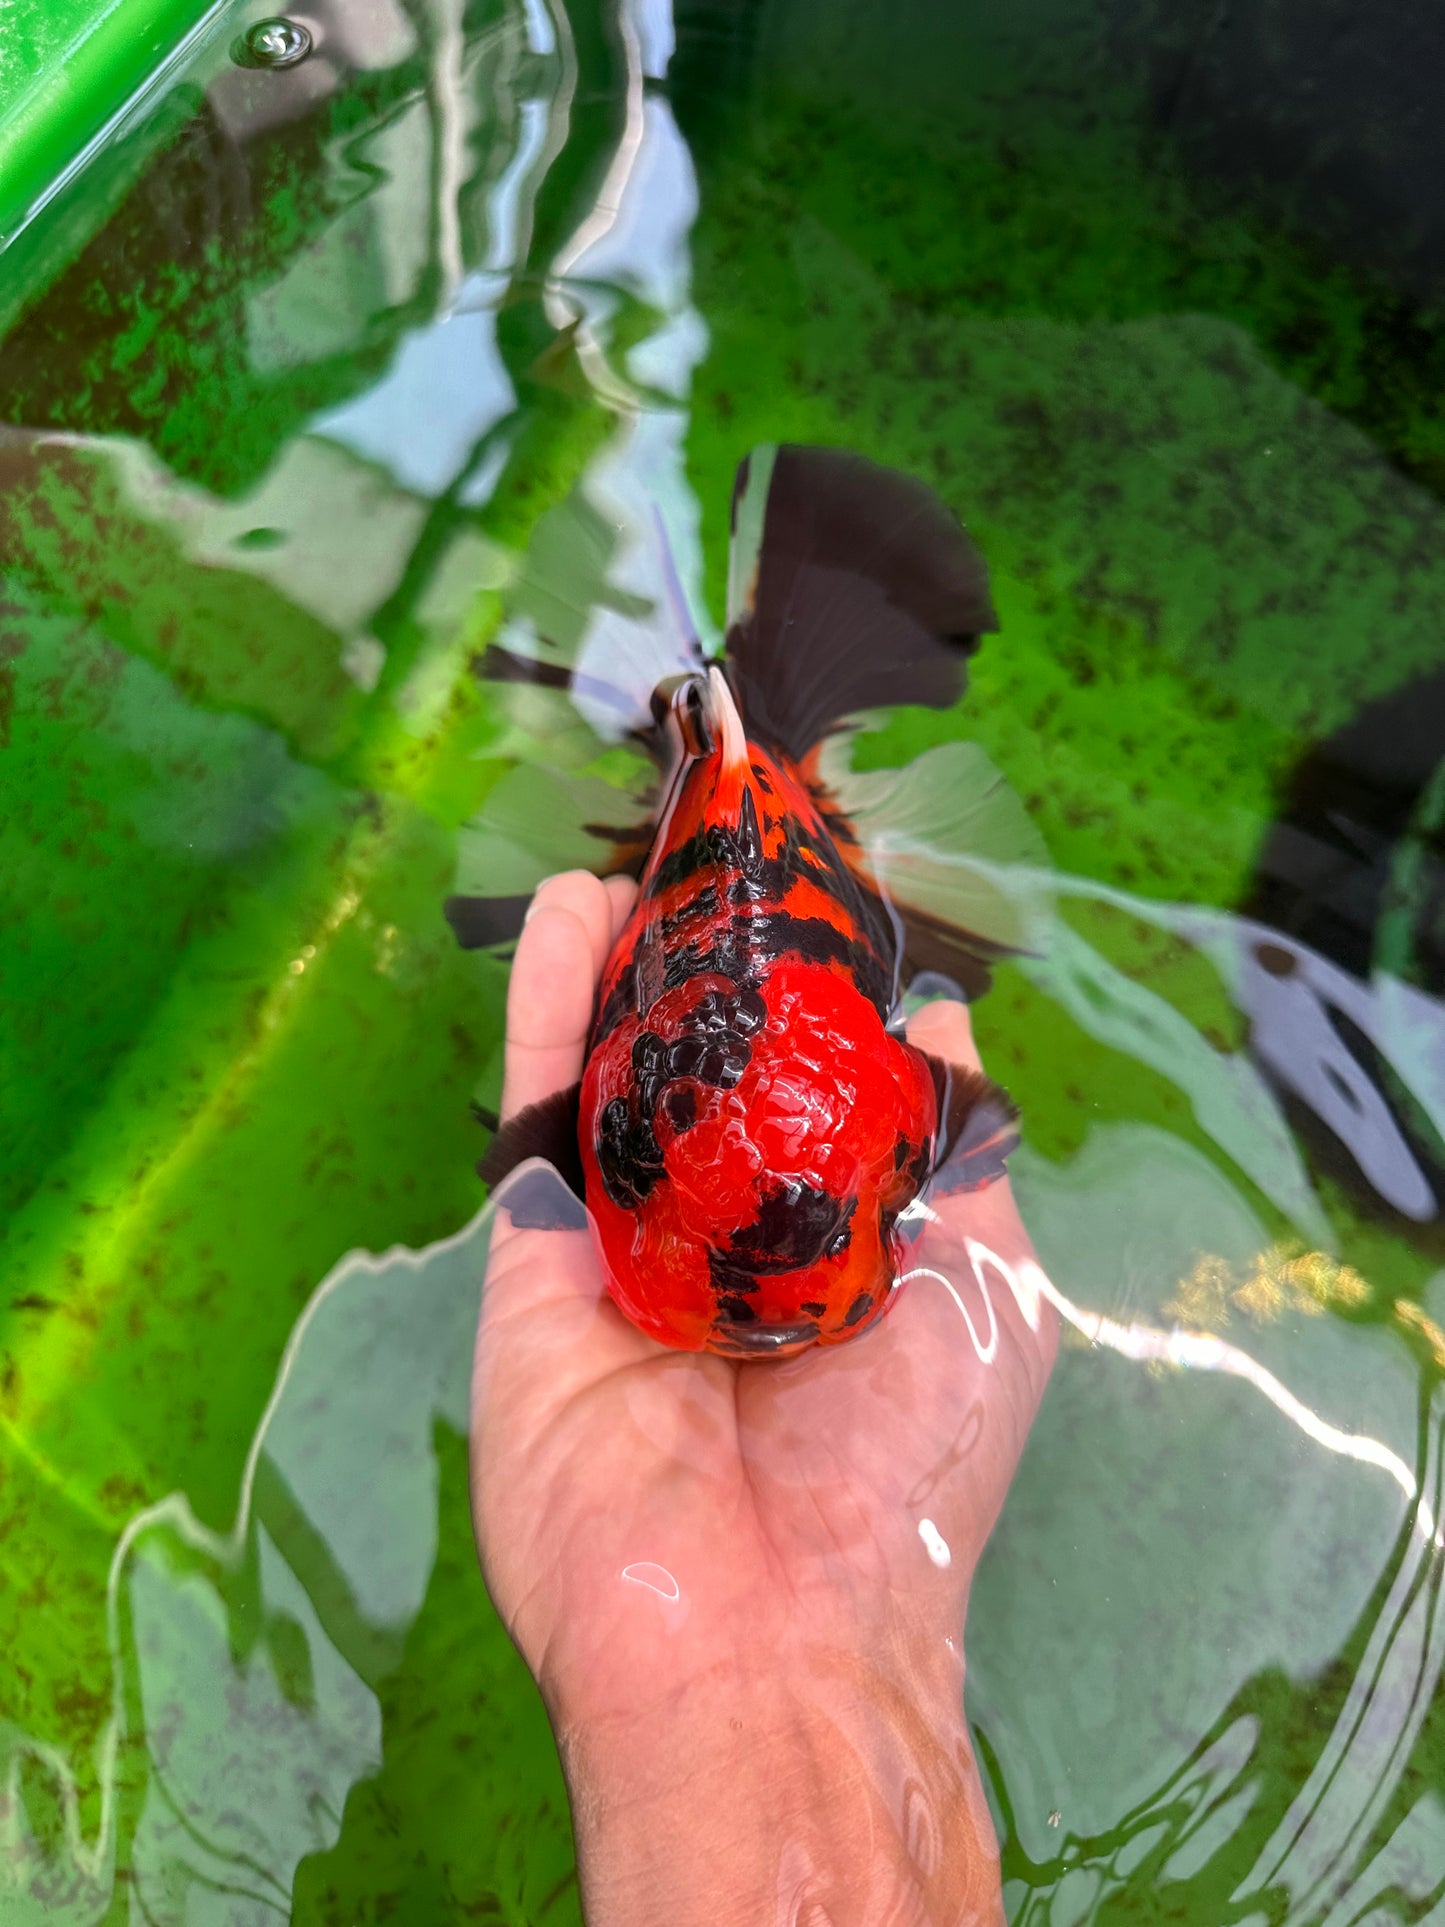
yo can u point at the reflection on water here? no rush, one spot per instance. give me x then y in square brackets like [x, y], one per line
[450, 337]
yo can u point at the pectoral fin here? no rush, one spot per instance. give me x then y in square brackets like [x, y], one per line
[977, 1127]
[544, 1130]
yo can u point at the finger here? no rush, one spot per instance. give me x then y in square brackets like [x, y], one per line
[560, 955]
[989, 1217]
[622, 895]
[944, 1030]
[590, 901]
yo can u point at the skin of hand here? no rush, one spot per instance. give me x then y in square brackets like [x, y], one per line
[741, 1587]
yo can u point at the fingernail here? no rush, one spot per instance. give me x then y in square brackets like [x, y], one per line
[535, 905]
[546, 884]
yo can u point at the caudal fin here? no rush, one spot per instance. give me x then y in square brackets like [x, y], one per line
[850, 587]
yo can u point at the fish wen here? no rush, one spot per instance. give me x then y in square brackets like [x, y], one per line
[752, 1123]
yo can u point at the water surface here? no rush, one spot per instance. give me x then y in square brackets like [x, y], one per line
[318, 382]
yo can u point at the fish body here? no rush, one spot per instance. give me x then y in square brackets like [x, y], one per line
[750, 1128]
[751, 1123]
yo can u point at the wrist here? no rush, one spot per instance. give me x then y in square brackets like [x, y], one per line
[841, 1784]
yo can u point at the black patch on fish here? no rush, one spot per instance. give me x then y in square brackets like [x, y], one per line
[749, 941]
[649, 1070]
[714, 846]
[617, 1006]
[629, 1158]
[802, 856]
[719, 1061]
[722, 1063]
[727, 953]
[819, 862]
[545, 1130]
[813, 1309]
[902, 1151]
[748, 837]
[738, 1310]
[860, 1308]
[649, 972]
[741, 1010]
[727, 1277]
[705, 904]
[715, 1046]
[714, 1049]
[684, 1056]
[795, 1225]
[818, 941]
[761, 776]
[743, 950]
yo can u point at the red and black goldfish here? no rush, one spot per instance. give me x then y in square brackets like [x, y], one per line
[751, 1122]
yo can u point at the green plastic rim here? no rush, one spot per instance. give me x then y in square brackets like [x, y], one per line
[70, 72]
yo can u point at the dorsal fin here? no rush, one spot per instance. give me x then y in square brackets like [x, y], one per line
[850, 587]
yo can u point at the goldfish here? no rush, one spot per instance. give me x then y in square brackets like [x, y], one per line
[753, 1130]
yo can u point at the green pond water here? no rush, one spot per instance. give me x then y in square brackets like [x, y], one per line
[315, 382]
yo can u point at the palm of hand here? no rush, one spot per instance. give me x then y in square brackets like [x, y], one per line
[647, 1517]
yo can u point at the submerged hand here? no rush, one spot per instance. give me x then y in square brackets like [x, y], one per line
[741, 1586]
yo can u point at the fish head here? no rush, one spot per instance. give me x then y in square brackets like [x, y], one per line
[748, 1149]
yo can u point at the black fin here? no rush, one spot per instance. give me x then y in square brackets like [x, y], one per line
[496, 664]
[931, 945]
[546, 1130]
[480, 922]
[500, 665]
[850, 587]
[977, 1127]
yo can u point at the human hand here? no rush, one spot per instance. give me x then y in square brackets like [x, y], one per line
[741, 1586]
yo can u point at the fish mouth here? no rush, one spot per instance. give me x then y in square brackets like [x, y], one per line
[762, 1341]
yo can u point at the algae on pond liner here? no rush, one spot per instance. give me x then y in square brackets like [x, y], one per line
[243, 746]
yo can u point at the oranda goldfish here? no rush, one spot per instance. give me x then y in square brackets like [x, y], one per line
[751, 1122]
